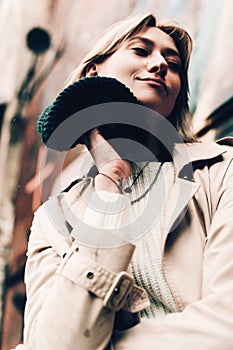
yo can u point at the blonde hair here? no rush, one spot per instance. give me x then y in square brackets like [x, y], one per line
[118, 33]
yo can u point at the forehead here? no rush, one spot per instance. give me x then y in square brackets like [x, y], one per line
[156, 37]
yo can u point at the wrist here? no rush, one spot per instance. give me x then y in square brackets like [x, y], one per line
[111, 183]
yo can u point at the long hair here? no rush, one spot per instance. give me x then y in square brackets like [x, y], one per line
[118, 33]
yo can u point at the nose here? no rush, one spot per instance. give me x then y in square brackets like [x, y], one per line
[157, 64]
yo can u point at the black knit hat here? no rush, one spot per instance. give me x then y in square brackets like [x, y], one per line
[86, 92]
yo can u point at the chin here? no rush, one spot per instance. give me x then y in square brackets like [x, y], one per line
[152, 106]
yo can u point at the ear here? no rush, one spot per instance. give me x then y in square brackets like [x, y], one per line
[91, 70]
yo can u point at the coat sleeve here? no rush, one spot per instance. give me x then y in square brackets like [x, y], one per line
[207, 323]
[73, 291]
[61, 312]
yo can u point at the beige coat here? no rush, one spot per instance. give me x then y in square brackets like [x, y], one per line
[71, 302]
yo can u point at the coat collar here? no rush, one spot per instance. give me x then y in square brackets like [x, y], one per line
[181, 192]
[188, 153]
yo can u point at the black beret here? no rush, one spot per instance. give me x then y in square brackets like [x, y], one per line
[86, 92]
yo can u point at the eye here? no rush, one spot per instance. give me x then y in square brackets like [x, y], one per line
[141, 51]
[174, 66]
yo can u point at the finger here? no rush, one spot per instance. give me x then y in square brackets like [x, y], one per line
[101, 151]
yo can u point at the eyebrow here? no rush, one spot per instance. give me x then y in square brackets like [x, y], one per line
[168, 51]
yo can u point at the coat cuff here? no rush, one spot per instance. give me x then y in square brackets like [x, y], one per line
[115, 288]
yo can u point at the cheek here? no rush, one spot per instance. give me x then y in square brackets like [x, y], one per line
[104, 68]
[112, 69]
[176, 87]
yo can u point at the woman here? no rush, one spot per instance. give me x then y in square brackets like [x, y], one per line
[79, 296]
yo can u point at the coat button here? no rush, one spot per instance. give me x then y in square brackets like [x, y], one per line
[117, 290]
[90, 275]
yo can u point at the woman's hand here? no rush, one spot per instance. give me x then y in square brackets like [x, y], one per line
[113, 170]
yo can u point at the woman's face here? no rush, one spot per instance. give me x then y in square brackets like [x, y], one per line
[149, 65]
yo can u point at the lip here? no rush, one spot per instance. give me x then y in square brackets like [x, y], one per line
[157, 82]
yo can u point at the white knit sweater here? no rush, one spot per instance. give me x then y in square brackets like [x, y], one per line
[146, 265]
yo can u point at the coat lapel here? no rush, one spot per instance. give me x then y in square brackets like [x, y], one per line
[181, 193]
[184, 186]
[54, 221]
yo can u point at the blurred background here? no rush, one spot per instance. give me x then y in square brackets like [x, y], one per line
[42, 42]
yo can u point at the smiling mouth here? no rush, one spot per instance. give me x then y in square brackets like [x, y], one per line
[156, 83]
